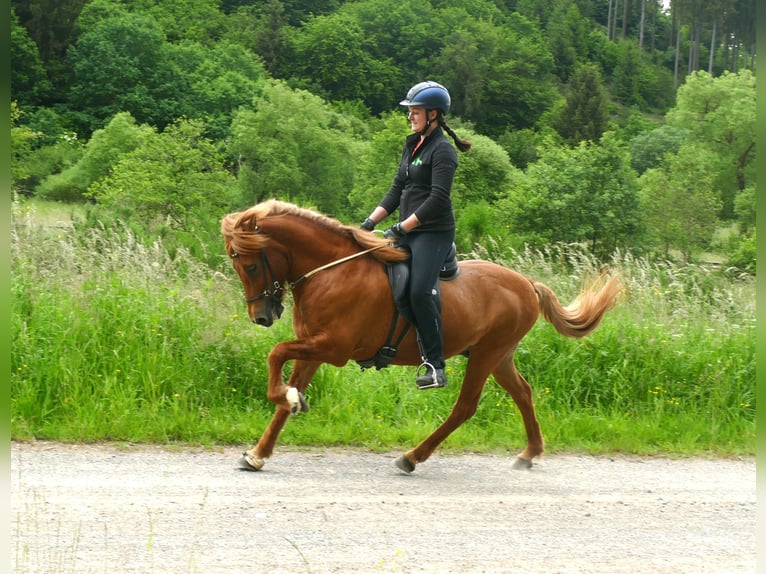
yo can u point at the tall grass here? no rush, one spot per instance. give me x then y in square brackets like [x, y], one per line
[114, 339]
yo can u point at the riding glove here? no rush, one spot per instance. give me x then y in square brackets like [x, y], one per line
[396, 231]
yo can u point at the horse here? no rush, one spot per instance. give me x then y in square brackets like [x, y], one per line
[343, 306]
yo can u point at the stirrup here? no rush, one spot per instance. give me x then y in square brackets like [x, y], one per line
[430, 380]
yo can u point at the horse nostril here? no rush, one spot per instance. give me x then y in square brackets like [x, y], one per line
[263, 321]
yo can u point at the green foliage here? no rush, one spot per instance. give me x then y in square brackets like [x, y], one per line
[22, 142]
[515, 85]
[171, 176]
[296, 147]
[567, 33]
[743, 253]
[475, 222]
[521, 146]
[679, 201]
[196, 20]
[585, 116]
[648, 148]
[332, 50]
[484, 174]
[102, 152]
[119, 65]
[586, 194]
[29, 80]
[745, 208]
[376, 165]
[720, 113]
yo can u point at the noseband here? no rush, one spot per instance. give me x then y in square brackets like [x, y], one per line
[273, 291]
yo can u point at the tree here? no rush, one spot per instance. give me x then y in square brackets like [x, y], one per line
[294, 146]
[50, 24]
[376, 164]
[679, 201]
[331, 52]
[197, 20]
[720, 113]
[567, 33]
[648, 148]
[512, 77]
[103, 150]
[29, 79]
[586, 113]
[585, 194]
[175, 175]
[117, 66]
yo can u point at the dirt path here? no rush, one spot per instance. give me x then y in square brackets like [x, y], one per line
[146, 509]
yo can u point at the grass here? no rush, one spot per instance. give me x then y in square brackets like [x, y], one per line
[115, 340]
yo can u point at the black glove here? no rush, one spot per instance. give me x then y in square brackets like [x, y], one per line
[368, 224]
[394, 232]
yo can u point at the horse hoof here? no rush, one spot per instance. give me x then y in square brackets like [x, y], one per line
[248, 462]
[522, 464]
[297, 401]
[404, 464]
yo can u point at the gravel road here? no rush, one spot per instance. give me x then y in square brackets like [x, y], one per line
[129, 509]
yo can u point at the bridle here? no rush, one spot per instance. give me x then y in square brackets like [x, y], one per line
[273, 291]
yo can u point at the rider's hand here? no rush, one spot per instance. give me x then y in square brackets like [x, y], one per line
[368, 224]
[394, 232]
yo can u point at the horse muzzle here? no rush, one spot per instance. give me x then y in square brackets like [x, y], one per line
[269, 312]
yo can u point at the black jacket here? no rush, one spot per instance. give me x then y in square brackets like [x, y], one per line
[423, 183]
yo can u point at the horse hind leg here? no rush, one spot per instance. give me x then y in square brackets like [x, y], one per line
[476, 374]
[508, 377]
[255, 458]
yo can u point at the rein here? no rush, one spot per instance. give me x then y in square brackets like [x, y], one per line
[313, 272]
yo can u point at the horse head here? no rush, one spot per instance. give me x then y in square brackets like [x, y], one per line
[262, 280]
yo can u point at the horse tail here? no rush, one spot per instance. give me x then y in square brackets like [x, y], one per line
[583, 315]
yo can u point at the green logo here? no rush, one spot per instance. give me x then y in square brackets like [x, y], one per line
[418, 161]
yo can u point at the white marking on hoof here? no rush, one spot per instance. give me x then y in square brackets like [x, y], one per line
[293, 397]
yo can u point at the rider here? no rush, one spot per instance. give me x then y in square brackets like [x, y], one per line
[421, 190]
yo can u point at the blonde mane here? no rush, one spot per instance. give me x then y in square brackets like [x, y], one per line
[240, 230]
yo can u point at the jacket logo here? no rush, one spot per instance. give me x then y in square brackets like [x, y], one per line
[417, 161]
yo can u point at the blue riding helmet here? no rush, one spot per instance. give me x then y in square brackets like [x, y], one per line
[429, 95]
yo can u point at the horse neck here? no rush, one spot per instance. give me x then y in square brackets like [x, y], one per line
[307, 244]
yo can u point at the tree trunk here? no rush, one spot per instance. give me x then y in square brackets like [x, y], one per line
[654, 26]
[712, 51]
[609, 21]
[641, 30]
[690, 58]
[678, 52]
[625, 18]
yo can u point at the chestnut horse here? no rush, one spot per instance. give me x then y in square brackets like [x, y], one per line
[343, 309]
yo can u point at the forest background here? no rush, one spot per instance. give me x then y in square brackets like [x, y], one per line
[616, 132]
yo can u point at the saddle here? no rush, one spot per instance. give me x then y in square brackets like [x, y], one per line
[398, 278]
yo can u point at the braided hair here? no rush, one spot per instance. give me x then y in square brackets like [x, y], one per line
[462, 145]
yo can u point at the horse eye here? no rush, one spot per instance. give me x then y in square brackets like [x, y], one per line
[251, 269]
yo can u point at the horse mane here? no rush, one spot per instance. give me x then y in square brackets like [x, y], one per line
[240, 230]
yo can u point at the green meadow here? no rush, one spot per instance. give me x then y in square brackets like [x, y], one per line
[115, 339]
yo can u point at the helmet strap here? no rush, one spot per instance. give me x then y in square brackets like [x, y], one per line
[429, 121]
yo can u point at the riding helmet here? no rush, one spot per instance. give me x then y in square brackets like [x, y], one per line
[429, 95]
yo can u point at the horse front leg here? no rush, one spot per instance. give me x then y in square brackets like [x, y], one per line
[255, 458]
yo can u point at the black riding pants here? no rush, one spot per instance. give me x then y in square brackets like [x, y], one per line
[428, 252]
